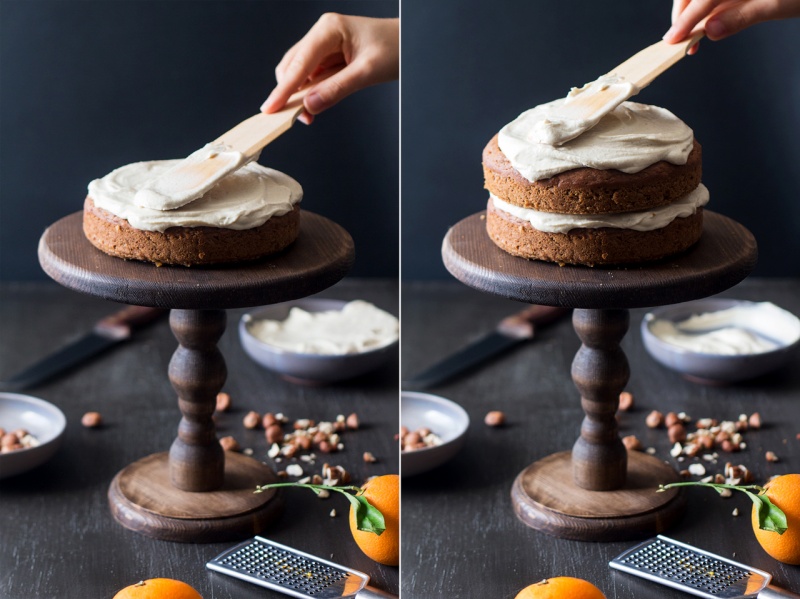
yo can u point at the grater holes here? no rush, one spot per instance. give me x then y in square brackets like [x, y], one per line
[284, 568]
[687, 567]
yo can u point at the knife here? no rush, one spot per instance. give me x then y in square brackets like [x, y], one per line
[511, 331]
[109, 331]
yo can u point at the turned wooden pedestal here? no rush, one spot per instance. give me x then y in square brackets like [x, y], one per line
[196, 492]
[599, 491]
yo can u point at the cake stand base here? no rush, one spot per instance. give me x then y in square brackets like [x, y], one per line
[143, 499]
[545, 497]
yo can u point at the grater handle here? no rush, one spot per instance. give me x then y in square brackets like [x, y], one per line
[369, 592]
[771, 592]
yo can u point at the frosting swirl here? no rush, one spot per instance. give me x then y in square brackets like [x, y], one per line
[244, 199]
[629, 139]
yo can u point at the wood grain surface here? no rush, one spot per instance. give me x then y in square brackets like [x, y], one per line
[59, 536]
[461, 535]
[725, 254]
[321, 255]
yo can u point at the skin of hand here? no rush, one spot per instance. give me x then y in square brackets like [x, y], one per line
[725, 17]
[360, 51]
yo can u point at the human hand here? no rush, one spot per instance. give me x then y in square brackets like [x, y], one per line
[725, 17]
[366, 51]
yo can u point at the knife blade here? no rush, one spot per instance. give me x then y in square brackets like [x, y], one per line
[509, 332]
[109, 331]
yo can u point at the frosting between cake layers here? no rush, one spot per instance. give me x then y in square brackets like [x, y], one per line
[643, 220]
[630, 138]
[244, 199]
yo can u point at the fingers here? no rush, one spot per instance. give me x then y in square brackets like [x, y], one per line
[693, 12]
[335, 88]
[302, 60]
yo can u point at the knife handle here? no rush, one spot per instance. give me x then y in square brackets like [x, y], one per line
[522, 324]
[121, 324]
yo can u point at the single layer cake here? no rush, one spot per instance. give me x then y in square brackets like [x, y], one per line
[249, 214]
[626, 191]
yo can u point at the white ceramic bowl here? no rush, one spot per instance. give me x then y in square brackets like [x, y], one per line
[443, 417]
[309, 368]
[40, 418]
[716, 368]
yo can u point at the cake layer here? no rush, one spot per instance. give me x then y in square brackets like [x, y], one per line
[187, 245]
[592, 247]
[592, 191]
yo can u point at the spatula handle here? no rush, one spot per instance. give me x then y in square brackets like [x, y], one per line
[771, 592]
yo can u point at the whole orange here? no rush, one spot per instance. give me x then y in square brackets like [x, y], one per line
[784, 492]
[383, 492]
[158, 588]
[561, 587]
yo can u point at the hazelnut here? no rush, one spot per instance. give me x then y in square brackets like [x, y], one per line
[229, 444]
[729, 446]
[327, 447]
[92, 419]
[495, 418]
[625, 401]
[671, 418]
[268, 420]
[251, 420]
[677, 433]
[755, 420]
[654, 419]
[274, 434]
[223, 402]
[632, 443]
[771, 457]
[352, 421]
[369, 458]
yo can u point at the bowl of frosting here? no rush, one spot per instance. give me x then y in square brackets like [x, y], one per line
[320, 341]
[721, 340]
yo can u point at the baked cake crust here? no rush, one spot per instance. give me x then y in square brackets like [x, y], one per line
[187, 246]
[591, 191]
[592, 247]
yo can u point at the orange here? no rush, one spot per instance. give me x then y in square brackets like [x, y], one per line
[383, 492]
[561, 587]
[784, 492]
[158, 588]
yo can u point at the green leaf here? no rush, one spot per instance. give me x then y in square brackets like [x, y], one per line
[368, 518]
[770, 516]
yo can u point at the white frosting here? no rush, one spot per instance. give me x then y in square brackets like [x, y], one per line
[643, 220]
[629, 138]
[358, 327]
[189, 179]
[244, 199]
[568, 120]
[748, 329]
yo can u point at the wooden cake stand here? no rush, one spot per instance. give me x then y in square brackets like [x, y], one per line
[196, 492]
[599, 491]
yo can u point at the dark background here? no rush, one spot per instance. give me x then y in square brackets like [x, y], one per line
[471, 66]
[88, 86]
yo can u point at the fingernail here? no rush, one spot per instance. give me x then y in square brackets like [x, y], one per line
[669, 34]
[314, 103]
[268, 102]
[716, 28]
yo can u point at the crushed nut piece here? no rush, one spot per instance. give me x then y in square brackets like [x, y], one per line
[92, 419]
[229, 444]
[223, 402]
[771, 457]
[494, 418]
[625, 401]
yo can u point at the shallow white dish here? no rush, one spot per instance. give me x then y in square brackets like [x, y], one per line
[40, 418]
[443, 417]
[715, 368]
[309, 368]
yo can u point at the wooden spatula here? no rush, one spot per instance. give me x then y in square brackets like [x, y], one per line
[201, 170]
[584, 108]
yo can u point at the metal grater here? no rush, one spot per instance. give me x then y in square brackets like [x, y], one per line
[281, 568]
[697, 572]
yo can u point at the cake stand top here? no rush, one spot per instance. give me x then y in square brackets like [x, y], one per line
[725, 254]
[321, 256]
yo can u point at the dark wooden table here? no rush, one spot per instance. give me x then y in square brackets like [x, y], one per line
[57, 536]
[460, 535]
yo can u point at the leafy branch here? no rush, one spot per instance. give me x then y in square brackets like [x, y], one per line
[770, 516]
[368, 517]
